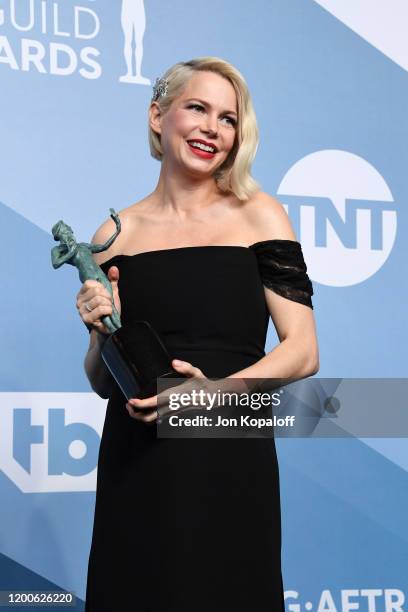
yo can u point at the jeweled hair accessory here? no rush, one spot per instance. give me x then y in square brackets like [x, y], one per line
[160, 88]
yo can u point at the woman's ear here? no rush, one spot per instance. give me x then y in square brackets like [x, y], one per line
[155, 116]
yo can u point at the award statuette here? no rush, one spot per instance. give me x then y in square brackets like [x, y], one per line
[134, 354]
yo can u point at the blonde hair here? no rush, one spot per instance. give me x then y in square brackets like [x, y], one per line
[234, 175]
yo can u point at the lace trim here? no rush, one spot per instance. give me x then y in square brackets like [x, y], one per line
[283, 269]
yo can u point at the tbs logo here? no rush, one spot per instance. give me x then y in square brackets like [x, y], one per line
[49, 442]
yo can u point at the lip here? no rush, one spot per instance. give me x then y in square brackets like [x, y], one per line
[200, 153]
[204, 142]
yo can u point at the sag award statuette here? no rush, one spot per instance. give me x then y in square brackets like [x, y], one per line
[134, 354]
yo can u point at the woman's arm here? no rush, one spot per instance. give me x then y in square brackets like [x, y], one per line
[100, 378]
[297, 354]
[98, 374]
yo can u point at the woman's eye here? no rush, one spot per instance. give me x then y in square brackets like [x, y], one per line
[230, 120]
[196, 106]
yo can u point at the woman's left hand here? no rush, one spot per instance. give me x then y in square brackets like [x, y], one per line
[136, 406]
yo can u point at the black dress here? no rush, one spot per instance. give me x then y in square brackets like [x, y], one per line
[193, 525]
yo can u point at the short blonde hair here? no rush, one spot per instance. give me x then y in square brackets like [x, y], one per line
[234, 175]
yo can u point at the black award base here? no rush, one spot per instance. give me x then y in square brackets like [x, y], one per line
[136, 356]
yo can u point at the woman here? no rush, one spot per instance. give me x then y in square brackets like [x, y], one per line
[206, 258]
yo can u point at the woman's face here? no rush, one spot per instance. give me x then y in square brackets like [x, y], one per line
[205, 115]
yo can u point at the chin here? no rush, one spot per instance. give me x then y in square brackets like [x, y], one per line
[201, 169]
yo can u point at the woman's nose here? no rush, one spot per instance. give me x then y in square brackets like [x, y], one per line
[210, 125]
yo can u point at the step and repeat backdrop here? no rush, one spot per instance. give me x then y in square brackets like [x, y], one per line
[330, 86]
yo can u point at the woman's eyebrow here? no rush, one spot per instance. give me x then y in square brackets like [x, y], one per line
[230, 112]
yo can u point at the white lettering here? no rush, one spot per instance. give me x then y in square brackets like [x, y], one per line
[13, 16]
[8, 57]
[326, 602]
[346, 604]
[291, 606]
[43, 17]
[371, 594]
[57, 31]
[85, 55]
[55, 68]
[77, 12]
[32, 52]
[394, 605]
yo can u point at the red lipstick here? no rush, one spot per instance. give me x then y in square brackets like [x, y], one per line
[200, 152]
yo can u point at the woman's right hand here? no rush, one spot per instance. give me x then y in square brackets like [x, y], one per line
[94, 301]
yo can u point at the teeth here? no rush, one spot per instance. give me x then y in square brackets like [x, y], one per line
[199, 145]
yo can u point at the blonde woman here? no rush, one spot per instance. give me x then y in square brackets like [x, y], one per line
[194, 524]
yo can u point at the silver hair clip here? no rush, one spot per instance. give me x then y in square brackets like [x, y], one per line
[160, 88]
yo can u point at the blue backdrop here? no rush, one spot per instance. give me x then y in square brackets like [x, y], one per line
[329, 85]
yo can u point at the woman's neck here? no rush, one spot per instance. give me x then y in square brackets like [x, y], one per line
[184, 194]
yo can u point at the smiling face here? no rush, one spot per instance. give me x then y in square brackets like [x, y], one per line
[199, 129]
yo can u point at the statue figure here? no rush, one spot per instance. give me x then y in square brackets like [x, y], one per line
[80, 255]
[133, 21]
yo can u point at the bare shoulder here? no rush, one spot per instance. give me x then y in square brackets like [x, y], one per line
[267, 218]
[128, 219]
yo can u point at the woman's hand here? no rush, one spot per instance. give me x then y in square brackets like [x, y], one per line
[149, 405]
[94, 301]
[151, 408]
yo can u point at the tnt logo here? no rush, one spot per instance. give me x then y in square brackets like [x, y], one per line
[50, 441]
[344, 214]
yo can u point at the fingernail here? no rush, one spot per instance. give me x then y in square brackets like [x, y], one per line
[177, 362]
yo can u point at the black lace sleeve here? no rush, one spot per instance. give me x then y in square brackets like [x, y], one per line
[283, 269]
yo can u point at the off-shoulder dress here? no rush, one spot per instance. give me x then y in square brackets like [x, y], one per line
[193, 524]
